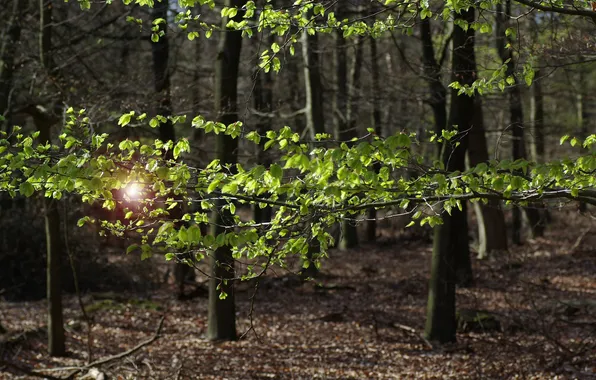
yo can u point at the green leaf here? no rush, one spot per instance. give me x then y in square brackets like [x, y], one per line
[563, 139]
[26, 189]
[125, 119]
[194, 234]
[230, 188]
[276, 171]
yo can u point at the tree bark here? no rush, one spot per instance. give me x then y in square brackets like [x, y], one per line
[315, 119]
[160, 52]
[492, 231]
[54, 248]
[464, 117]
[537, 118]
[371, 227]
[582, 117]
[222, 308]
[43, 121]
[8, 49]
[516, 123]
[451, 256]
[263, 101]
[349, 234]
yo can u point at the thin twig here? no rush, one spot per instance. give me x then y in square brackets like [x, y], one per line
[111, 358]
[75, 279]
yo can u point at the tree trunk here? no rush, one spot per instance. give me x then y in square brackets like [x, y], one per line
[537, 119]
[516, 123]
[315, 120]
[582, 117]
[222, 308]
[10, 39]
[198, 133]
[451, 256]
[432, 73]
[263, 101]
[160, 52]
[462, 117]
[492, 231]
[371, 227]
[349, 235]
[56, 340]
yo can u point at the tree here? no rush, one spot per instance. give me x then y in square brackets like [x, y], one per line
[44, 121]
[160, 52]
[10, 38]
[371, 226]
[516, 120]
[263, 101]
[492, 231]
[451, 255]
[343, 111]
[222, 309]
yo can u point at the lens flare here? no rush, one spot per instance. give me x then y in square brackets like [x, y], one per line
[133, 191]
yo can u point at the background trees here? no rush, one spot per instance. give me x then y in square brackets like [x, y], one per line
[314, 178]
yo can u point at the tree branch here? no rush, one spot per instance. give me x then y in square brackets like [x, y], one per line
[565, 11]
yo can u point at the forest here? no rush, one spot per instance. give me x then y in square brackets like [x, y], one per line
[297, 189]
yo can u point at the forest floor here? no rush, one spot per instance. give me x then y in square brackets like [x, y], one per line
[362, 319]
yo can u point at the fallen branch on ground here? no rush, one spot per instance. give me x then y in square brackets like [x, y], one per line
[111, 358]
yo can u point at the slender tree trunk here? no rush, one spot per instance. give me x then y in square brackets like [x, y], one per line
[160, 51]
[9, 42]
[371, 227]
[8, 46]
[492, 231]
[263, 101]
[315, 121]
[450, 261]
[349, 235]
[516, 122]
[222, 308]
[54, 248]
[432, 73]
[56, 341]
[460, 117]
[198, 133]
[582, 117]
[537, 118]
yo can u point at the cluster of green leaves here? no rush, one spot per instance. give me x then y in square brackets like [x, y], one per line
[312, 186]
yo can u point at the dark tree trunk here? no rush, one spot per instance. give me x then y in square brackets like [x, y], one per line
[54, 248]
[371, 227]
[461, 114]
[582, 117]
[315, 120]
[349, 235]
[432, 74]
[516, 122]
[198, 133]
[10, 41]
[451, 256]
[263, 101]
[44, 121]
[492, 231]
[160, 51]
[222, 310]
[537, 107]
